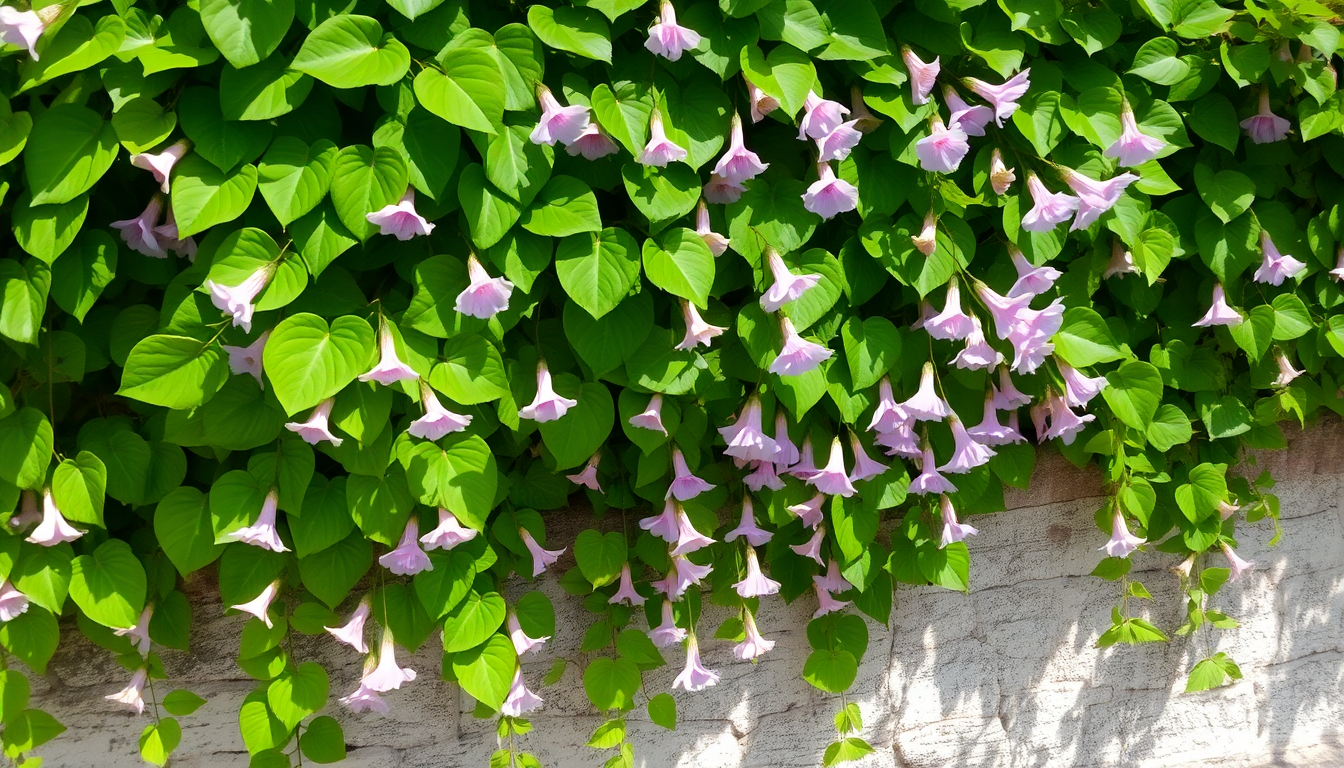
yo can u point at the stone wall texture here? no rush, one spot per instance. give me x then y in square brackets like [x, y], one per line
[1004, 676]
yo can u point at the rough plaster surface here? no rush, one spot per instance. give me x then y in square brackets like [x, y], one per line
[1004, 676]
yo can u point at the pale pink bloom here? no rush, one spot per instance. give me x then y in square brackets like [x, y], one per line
[756, 583]
[28, 514]
[131, 695]
[557, 123]
[925, 404]
[943, 149]
[540, 557]
[389, 370]
[364, 700]
[400, 219]
[1005, 310]
[1338, 272]
[248, 359]
[1095, 197]
[739, 164]
[820, 117]
[865, 468]
[547, 405]
[952, 323]
[1226, 510]
[953, 530]
[1002, 97]
[1014, 429]
[437, 421]
[1031, 279]
[408, 559]
[806, 466]
[1040, 418]
[762, 104]
[977, 354]
[138, 633]
[259, 607]
[1000, 175]
[1183, 570]
[53, 529]
[683, 576]
[388, 675]
[21, 28]
[765, 474]
[625, 591]
[237, 300]
[837, 144]
[688, 538]
[1276, 266]
[888, 414]
[828, 195]
[161, 164]
[667, 633]
[448, 534]
[990, 431]
[660, 150]
[1121, 263]
[669, 39]
[1049, 209]
[263, 533]
[864, 121]
[1134, 147]
[929, 480]
[922, 76]
[754, 646]
[747, 528]
[1265, 127]
[167, 235]
[1064, 423]
[926, 242]
[12, 601]
[721, 191]
[812, 547]
[1031, 333]
[588, 477]
[652, 417]
[1079, 389]
[832, 479]
[967, 454]
[832, 581]
[826, 603]
[1220, 313]
[695, 677]
[787, 286]
[971, 119]
[664, 524]
[1006, 395]
[1286, 370]
[1122, 542]
[798, 355]
[717, 243]
[697, 330]
[809, 511]
[1234, 562]
[899, 441]
[352, 631]
[316, 429]
[139, 232]
[486, 296]
[593, 143]
[521, 642]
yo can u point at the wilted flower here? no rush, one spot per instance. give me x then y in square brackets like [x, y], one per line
[922, 76]
[588, 476]
[547, 405]
[953, 530]
[263, 533]
[787, 286]
[53, 529]
[161, 164]
[755, 584]
[943, 149]
[540, 557]
[237, 300]
[762, 104]
[739, 164]
[864, 121]
[557, 123]
[1121, 263]
[660, 150]
[926, 242]
[1000, 175]
[669, 39]
[316, 429]
[828, 195]
[1265, 127]
[400, 219]
[448, 534]
[352, 631]
[437, 421]
[798, 355]
[1002, 97]
[1134, 147]
[1220, 313]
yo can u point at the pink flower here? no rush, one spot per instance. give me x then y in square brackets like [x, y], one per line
[1286, 370]
[389, 369]
[1276, 266]
[1049, 209]
[521, 642]
[486, 296]
[1078, 388]
[787, 286]
[837, 144]
[1220, 313]
[952, 323]
[12, 602]
[922, 76]
[798, 355]
[805, 467]
[967, 454]
[139, 232]
[167, 235]
[764, 474]
[929, 480]
[683, 576]
[865, 468]
[448, 534]
[437, 421]
[248, 359]
[1338, 272]
[263, 533]
[721, 191]
[237, 300]
[1064, 423]
[139, 633]
[899, 441]
[352, 631]
[943, 149]
[1095, 197]
[53, 529]
[652, 417]
[161, 164]
[788, 452]
[977, 354]
[832, 581]
[812, 548]
[1031, 335]
[669, 39]
[1265, 127]
[990, 431]
[1121, 263]
[688, 538]
[754, 646]
[315, 429]
[695, 677]
[259, 607]
[520, 700]
[698, 331]
[762, 104]
[1031, 280]
[826, 603]
[625, 592]
[828, 196]
[1234, 562]
[864, 121]
[888, 414]
[809, 511]
[664, 524]
[832, 478]
[738, 164]
[926, 242]
[407, 559]
[1005, 311]
[925, 404]
[660, 150]
[1122, 542]
[547, 405]
[717, 243]
[820, 117]
[1002, 97]
[747, 528]
[1134, 147]
[557, 123]
[131, 695]
[1226, 510]
[388, 675]
[540, 557]
[364, 700]
[971, 119]
[1000, 175]
[588, 477]
[1006, 395]
[952, 529]
[755, 584]
[593, 143]
[20, 28]
[667, 633]
[400, 219]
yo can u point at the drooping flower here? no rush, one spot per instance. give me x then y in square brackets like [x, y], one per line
[1095, 197]
[1049, 209]
[695, 677]
[352, 631]
[798, 355]
[787, 286]
[408, 559]
[926, 242]
[716, 243]
[753, 646]
[522, 643]
[53, 529]
[557, 123]
[720, 191]
[943, 149]
[21, 28]
[865, 468]
[925, 404]
[540, 557]
[888, 414]
[363, 700]
[400, 219]
[625, 590]
[826, 603]
[237, 300]
[1134, 147]
[688, 538]
[588, 476]
[259, 607]
[1064, 423]
[812, 547]
[1265, 127]
[953, 530]
[139, 232]
[971, 119]
[1220, 313]
[316, 428]
[832, 581]
[660, 150]
[762, 103]
[593, 143]
[520, 700]
[131, 695]
[1122, 542]
[929, 480]
[756, 583]
[990, 431]
[1121, 263]
[486, 296]
[667, 38]
[739, 164]
[664, 524]
[667, 633]
[161, 164]
[967, 454]
[828, 195]
[864, 120]
[899, 441]
[1031, 334]
[923, 76]
[809, 511]
[1002, 97]
[747, 528]
[697, 330]
[1031, 279]
[448, 534]
[12, 602]
[832, 478]
[248, 359]
[683, 575]
[1079, 389]
[652, 416]
[138, 633]
[1234, 562]
[438, 421]
[820, 117]
[263, 533]
[1000, 175]
[1286, 370]
[547, 405]
[977, 354]
[1006, 395]
[389, 369]
[952, 323]
[1276, 267]
[1338, 272]
[788, 452]
[806, 466]
[1226, 510]
[1006, 311]
[388, 675]
[837, 144]
[167, 235]
[764, 474]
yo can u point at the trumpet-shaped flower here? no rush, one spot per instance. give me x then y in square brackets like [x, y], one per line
[1079, 389]
[747, 528]
[1134, 147]
[826, 603]
[923, 76]
[977, 354]
[263, 533]
[669, 39]
[698, 331]
[1286, 370]
[967, 454]
[828, 195]
[716, 243]
[486, 296]
[138, 633]
[248, 359]
[990, 431]
[806, 466]
[389, 370]
[929, 480]
[798, 355]
[787, 286]
[764, 474]
[1220, 312]
[400, 219]
[259, 607]
[1049, 209]
[685, 485]
[1002, 97]
[625, 589]
[865, 468]
[1276, 267]
[683, 575]
[832, 478]
[837, 144]
[1122, 542]
[388, 675]
[888, 414]
[664, 524]
[547, 405]
[754, 645]
[832, 581]
[788, 452]
[593, 143]
[540, 557]
[1031, 280]
[167, 235]
[925, 404]
[522, 642]
[943, 149]
[139, 232]
[667, 633]
[520, 700]
[1006, 395]
[926, 242]
[1064, 423]
[1265, 127]
[738, 164]
[316, 428]
[161, 164]
[21, 28]
[1238, 565]
[352, 631]
[238, 300]
[755, 583]
[1001, 177]
[652, 416]
[695, 677]
[762, 103]
[688, 538]
[364, 700]
[899, 441]
[1095, 197]
[952, 323]
[969, 118]
[557, 123]
[808, 511]
[812, 547]
[953, 530]
[53, 529]
[1121, 263]
[132, 694]
[437, 421]
[588, 476]
[721, 191]
[13, 603]
[448, 534]
[660, 150]
[408, 559]
[820, 116]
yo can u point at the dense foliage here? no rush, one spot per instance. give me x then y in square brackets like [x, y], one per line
[334, 298]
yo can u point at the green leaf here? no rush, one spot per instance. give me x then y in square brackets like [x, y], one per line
[141, 124]
[1291, 317]
[608, 343]
[109, 585]
[79, 487]
[1227, 193]
[786, 74]
[1134, 393]
[472, 372]
[1256, 333]
[1156, 62]
[182, 702]
[623, 110]
[225, 143]
[183, 527]
[516, 165]
[174, 371]
[333, 572]
[565, 206]
[575, 437]
[351, 51]
[578, 30]
[262, 91]
[79, 45]
[486, 671]
[1211, 673]
[204, 196]
[68, 150]
[473, 621]
[1214, 119]
[323, 741]
[612, 683]
[30, 730]
[1170, 427]
[489, 212]
[1084, 339]
[246, 31]
[599, 556]
[662, 194]
[457, 473]
[366, 180]
[79, 279]
[872, 347]
[663, 711]
[298, 692]
[261, 730]
[441, 589]
[308, 361]
[159, 739]
[26, 442]
[1198, 499]
[681, 264]
[598, 269]
[294, 177]
[831, 671]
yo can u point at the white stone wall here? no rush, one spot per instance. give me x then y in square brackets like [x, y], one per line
[1004, 676]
